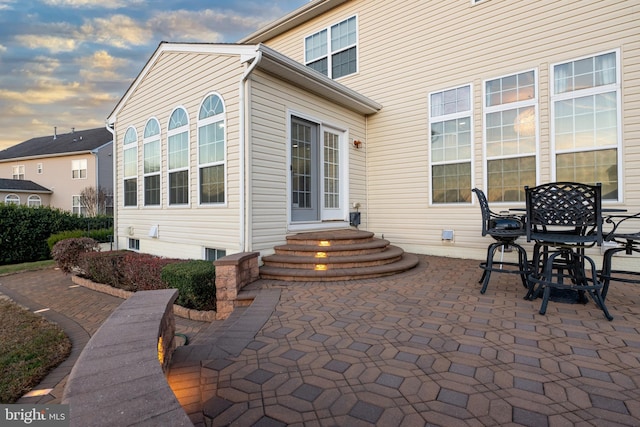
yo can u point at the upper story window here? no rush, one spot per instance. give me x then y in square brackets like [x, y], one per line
[211, 150]
[450, 129]
[510, 135]
[34, 200]
[178, 147]
[39, 168]
[79, 169]
[333, 51]
[585, 108]
[12, 199]
[18, 172]
[130, 160]
[152, 163]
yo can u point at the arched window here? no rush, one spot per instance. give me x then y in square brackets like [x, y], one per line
[152, 163]
[178, 147]
[34, 200]
[211, 150]
[130, 157]
[12, 199]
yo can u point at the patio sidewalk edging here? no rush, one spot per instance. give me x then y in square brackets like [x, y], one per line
[119, 378]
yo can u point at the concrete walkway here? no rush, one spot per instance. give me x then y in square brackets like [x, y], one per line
[419, 348]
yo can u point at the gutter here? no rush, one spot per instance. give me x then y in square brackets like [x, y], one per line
[242, 141]
[110, 128]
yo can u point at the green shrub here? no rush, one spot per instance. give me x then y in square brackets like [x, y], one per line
[102, 235]
[66, 253]
[70, 234]
[195, 282]
[24, 230]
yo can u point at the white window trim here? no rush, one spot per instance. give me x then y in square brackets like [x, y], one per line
[170, 133]
[330, 52]
[470, 114]
[125, 147]
[553, 97]
[39, 168]
[78, 206]
[79, 169]
[512, 105]
[204, 122]
[32, 198]
[146, 141]
[18, 172]
[11, 199]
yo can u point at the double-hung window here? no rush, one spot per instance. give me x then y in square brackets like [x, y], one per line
[510, 135]
[151, 155]
[76, 205]
[130, 160]
[211, 150]
[18, 172]
[450, 129]
[178, 147]
[79, 169]
[333, 51]
[585, 103]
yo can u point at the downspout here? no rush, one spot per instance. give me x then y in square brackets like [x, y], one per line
[244, 106]
[114, 191]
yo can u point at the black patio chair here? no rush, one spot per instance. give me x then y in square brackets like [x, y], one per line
[564, 218]
[505, 230]
[625, 233]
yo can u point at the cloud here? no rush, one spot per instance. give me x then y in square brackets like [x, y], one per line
[203, 26]
[3, 48]
[93, 4]
[117, 30]
[101, 67]
[43, 92]
[52, 43]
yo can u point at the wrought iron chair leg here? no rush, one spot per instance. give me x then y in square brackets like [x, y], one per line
[605, 275]
[489, 265]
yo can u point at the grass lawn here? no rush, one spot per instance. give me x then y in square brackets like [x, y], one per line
[30, 346]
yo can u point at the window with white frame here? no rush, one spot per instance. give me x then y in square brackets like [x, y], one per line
[450, 129]
[585, 106]
[211, 150]
[212, 254]
[152, 163]
[510, 135]
[34, 200]
[39, 168]
[134, 244]
[333, 51]
[12, 199]
[76, 205]
[18, 172]
[178, 148]
[130, 161]
[79, 169]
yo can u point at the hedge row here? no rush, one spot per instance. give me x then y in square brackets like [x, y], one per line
[24, 230]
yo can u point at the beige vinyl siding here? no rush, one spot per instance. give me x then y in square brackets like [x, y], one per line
[411, 48]
[182, 79]
[271, 100]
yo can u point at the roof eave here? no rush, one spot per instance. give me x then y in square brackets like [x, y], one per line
[297, 17]
[49, 155]
[282, 66]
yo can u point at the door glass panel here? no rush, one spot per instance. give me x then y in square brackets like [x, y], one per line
[331, 170]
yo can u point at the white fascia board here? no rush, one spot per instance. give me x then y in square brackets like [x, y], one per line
[299, 16]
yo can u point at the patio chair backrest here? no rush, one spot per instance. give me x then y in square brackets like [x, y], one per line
[565, 204]
[484, 208]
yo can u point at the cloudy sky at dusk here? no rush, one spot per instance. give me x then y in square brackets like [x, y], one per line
[66, 63]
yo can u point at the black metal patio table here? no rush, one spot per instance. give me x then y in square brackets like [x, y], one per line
[564, 218]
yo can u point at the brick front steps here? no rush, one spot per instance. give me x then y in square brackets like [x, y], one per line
[335, 255]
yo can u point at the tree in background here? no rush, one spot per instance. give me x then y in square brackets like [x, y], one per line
[93, 201]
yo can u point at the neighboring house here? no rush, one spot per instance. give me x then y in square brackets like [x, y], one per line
[394, 109]
[63, 163]
[23, 192]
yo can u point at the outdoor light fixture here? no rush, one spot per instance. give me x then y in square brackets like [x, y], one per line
[324, 243]
[357, 143]
[321, 254]
[320, 267]
[160, 351]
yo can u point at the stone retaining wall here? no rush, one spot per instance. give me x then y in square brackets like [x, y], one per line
[119, 378]
[233, 272]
